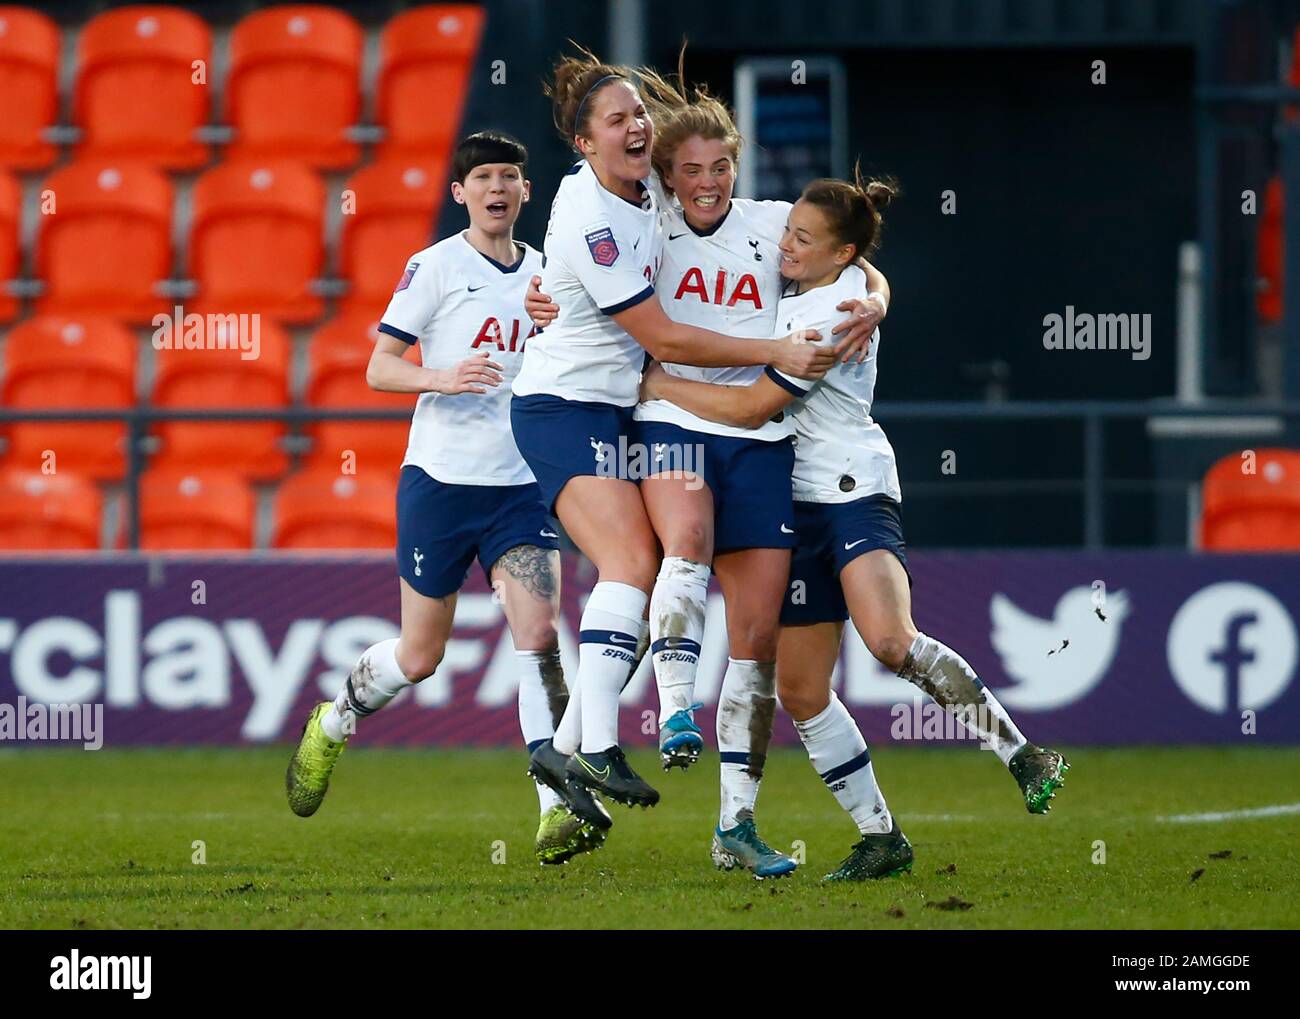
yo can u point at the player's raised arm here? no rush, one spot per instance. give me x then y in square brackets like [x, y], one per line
[742, 406]
[678, 343]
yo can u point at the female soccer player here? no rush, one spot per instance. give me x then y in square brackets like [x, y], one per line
[572, 410]
[464, 492]
[850, 560]
[719, 494]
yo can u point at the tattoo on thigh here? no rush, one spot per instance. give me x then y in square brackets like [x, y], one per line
[531, 566]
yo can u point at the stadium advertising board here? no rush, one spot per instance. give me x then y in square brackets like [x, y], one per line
[1110, 648]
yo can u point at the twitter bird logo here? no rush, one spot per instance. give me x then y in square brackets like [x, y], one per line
[1080, 644]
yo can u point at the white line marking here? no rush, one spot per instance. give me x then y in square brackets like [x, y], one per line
[1276, 810]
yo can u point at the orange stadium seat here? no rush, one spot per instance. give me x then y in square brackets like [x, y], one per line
[295, 85]
[397, 203]
[1252, 512]
[427, 54]
[199, 509]
[10, 253]
[60, 362]
[105, 239]
[48, 511]
[29, 87]
[326, 509]
[137, 96]
[338, 356]
[256, 240]
[213, 378]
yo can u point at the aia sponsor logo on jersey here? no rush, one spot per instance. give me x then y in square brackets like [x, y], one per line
[726, 289]
[492, 333]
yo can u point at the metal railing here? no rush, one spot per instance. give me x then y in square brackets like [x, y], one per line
[1094, 415]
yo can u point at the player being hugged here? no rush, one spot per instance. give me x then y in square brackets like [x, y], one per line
[574, 396]
[850, 559]
[464, 491]
[719, 495]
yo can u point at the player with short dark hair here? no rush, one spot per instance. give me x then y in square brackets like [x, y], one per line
[465, 492]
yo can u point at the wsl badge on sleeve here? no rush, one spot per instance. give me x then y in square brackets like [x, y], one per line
[603, 247]
[407, 276]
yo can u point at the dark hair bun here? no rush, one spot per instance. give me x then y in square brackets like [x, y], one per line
[881, 193]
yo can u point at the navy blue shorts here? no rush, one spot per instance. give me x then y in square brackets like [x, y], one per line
[749, 479]
[561, 439]
[441, 528]
[832, 535]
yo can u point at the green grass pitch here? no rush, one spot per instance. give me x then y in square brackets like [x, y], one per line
[443, 838]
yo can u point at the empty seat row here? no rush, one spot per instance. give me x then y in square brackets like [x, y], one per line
[256, 243]
[201, 509]
[60, 362]
[144, 84]
[322, 506]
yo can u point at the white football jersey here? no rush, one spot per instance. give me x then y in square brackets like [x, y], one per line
[455, 301]
[840, 453]
[602, 256]
[727, 279]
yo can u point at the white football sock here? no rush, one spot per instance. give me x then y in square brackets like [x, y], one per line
[568, 731]
[676, 629]
[944, 675]
[542, 699]
[376, 680]
[642, 646]
[568, 734]
[839, 753]
[746, 707]
[607, 642]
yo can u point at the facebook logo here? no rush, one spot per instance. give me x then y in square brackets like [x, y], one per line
[1232, 656]
[1232, 647]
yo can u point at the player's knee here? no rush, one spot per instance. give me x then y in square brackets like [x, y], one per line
[536, 637]
[690, 539]
[641, 567]
[801, 701]
[890, 648]
[420, 662]
[752, 640]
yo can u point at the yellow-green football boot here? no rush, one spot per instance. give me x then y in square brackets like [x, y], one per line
[561, 836]
[308, 777]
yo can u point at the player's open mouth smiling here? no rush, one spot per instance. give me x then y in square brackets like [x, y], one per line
[705, 201]
[637, 149]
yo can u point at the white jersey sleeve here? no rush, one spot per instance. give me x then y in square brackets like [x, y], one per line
[416, 300]
[841, 452]
[600, 256]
